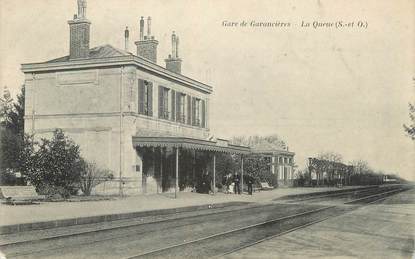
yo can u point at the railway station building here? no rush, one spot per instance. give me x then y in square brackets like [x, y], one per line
[148, 124]
[282, 165]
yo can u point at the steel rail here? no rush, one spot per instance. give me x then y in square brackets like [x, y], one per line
[305, 225]
[155, 251]
[330, 195]
[273, 236]
[375, 195]
[229, 232]
[336, 194]
[133, 224]
[324, 193]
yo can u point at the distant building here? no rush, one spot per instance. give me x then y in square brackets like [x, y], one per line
[127, 113]
[282, 165]
[324, 172]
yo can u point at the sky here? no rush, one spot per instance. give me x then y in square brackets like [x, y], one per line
[344, 89]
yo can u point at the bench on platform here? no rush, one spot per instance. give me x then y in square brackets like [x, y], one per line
[265, 186]
[20, 195]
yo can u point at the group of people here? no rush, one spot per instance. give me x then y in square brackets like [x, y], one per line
[230, 182]
[204, 185]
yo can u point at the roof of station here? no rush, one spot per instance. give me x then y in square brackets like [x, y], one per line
[109, 56]
[104, 51]
[272, 152]
[190, 143]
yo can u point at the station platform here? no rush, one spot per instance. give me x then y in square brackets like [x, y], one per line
[58, 211]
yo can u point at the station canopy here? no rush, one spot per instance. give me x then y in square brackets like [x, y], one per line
[217, 145]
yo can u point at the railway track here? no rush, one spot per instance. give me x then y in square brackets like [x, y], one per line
[341, 195]
[249, 235]
[317, 195]
[264, 222]
[83, 238]
[120, 224]
[279, 226]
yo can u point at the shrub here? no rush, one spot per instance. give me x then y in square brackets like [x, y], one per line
[91, 176]
[7, 177]
[52, 166]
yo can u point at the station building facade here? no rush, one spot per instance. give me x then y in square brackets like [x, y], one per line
[282, 165]
[126, 112]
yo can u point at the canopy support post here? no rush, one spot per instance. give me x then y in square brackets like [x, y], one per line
[214, 173]
[177, 173]
[153, 150]
[161, 168]
[242, 174]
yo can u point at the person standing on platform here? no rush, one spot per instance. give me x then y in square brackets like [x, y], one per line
[229, 183]
[225, 184]
[236, 181]
[206, 183]
[250, 182]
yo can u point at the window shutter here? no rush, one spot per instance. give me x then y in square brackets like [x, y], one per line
[178, 106]
[173, 105]
[141, 96]
[150, 99]
[202, 124]
[161, 99]
[193, 111]
[189, 110]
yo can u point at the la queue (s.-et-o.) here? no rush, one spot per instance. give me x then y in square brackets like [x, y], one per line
[317, 24]
[337, 24]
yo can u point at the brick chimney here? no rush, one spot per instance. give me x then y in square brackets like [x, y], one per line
[173, 62]
[147, 44]
[79, 33]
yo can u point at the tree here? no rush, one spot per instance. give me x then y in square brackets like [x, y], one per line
[11, 134]
[6, 101]
[225, 164]
[52, 166]
[363, 174]
[330, 156]
[410, 129]
[91, 176]
[360, 167]
[260, 142]
[302, 177]
[12, 113]
[327, 165]
[259, 166]
[7, 177]
[10, 147]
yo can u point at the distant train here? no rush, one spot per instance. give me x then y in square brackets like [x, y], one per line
[389, 179]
